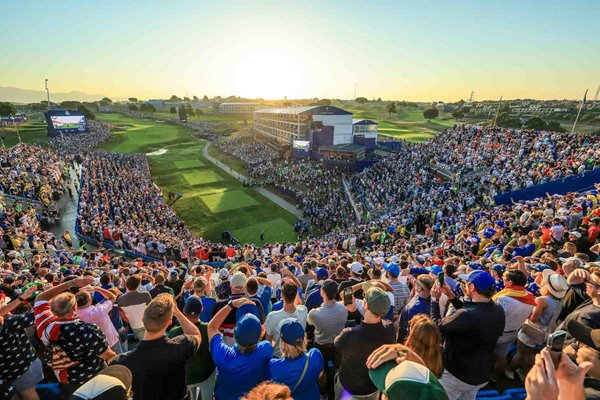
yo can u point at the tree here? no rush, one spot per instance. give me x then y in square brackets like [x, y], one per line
[106, 100]
[172, 110]
[186, 98]
[195, 98]
[506, 121]
[86, 112]
[458, 114]
[147, 107]
[391, 108]
[362, 100]
[7, 108]
[70, 104]
[431, 114]
[322, 102]
[133, 99]
[536, 123]
[466, 110]
[132, 107]
[205, 98]
[174, 98]
[199, 112]
[379, 100]
[555, 127]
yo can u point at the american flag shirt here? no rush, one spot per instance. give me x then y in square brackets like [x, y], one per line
[81, 341]
[16, 351]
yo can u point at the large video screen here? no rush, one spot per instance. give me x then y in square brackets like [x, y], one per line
[301, 145]
[62, 122]
[68, 122]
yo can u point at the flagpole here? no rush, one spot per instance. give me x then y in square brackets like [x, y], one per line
[579, 112]
[497, 112]
[17, 129]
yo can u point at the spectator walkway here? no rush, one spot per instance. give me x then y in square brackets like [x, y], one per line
[244, 179]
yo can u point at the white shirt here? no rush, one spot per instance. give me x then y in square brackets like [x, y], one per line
[273, 324]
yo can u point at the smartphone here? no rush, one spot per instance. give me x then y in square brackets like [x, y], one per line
[348, 296]
[555, 344]
[440, 278]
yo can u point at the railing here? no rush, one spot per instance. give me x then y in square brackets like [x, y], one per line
[351, 199]
[20, 199]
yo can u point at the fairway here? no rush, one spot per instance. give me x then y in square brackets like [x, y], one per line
[202, 177]
[228, 200]
[212, 201]
[185, 164]
[31, 132]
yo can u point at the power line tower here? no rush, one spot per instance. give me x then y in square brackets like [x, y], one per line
[596, 95]
[471, 96]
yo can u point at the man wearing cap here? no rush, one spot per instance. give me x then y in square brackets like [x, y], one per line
[471, 334]
[238, 284]
[200, 368]
[419, 304]
[159, 286]
[292, 308]
[223, 288]
[407, 380]
[245, 364]
[112, 383]
[157, 359]
[356, 344]
[329, 319]
[313, 294]
[400, 290]
[356, 272]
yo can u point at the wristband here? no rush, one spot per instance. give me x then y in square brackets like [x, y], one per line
[230, 304]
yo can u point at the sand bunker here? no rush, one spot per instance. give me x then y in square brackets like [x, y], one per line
[157, 152]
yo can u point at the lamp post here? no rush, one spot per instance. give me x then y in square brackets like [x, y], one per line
[47, 93]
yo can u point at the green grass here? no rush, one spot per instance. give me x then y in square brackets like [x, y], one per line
[207, 176]
[212, 201]
[228, 200]
[185, 164]
[30, 132]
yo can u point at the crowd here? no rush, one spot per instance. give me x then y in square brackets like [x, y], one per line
[437, 295]
[316, 189]
[344, 316]
[508, 159]
[82, 143]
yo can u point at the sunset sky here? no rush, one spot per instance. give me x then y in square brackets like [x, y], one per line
[420, 51]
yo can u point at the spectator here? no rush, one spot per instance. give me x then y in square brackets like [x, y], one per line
[158, 359]
[159, 287]
[200, 373]
[292, 308]
[133, 304]
[99, 314]
[471, 334]
[356, 344]
[298, 369]
[245, 363]
[425, 340]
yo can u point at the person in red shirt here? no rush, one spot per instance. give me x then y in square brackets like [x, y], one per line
[594, 230]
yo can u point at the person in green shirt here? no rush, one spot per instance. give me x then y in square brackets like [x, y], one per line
[200, 369]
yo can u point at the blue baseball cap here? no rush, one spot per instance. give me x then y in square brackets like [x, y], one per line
[292, 331]
[540, 267]
[247, 309]
[480, 279]
[499, 268]
[418, 271]
[322, 274]
[436, 269]
[476, 266]
[193, 306]
[247, 330]
[392, 268]
[256, 263]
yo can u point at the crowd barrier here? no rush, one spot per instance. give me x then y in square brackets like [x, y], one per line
[575, 183]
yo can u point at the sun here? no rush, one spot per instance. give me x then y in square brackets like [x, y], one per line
[268, 74]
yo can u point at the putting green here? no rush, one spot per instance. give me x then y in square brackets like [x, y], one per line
[228, 200]
[185, 164]
[202, 177]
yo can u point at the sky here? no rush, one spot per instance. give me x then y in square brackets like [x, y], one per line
[400, 50]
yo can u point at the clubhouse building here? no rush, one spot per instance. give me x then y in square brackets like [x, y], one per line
[326, 128]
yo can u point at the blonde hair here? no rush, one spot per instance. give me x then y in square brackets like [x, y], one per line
[158, 313]
[425, 340]
[63, 304]
[292, 351]
[269, 391]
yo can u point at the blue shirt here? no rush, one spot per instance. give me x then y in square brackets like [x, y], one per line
[238, 373]
[264, 296]
[314, 298]
[288, 372]
[417, 305]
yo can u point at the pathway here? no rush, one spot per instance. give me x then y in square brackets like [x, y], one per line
[281, 202]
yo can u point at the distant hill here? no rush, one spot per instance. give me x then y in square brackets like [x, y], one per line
[18, 95]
